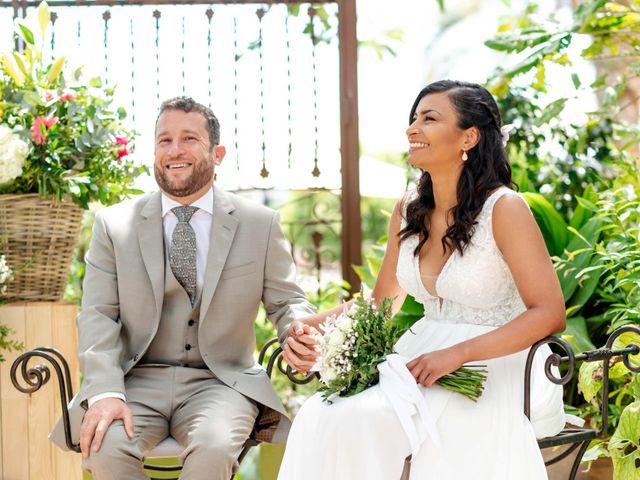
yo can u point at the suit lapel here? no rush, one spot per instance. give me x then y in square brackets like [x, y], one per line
[151, 239]
[223, 230]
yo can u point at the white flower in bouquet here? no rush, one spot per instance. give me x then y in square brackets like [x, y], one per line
[5, 274]
[13, 152]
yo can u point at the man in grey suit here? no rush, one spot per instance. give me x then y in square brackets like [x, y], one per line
[173, 284]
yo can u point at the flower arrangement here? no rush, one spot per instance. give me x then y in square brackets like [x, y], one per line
[76, 143]
[355, 342]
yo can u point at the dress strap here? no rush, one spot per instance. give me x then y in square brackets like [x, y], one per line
[487, 209]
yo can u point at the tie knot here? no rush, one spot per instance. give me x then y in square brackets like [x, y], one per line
[184, 213]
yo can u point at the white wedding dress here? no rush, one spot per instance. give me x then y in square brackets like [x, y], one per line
[362, 437]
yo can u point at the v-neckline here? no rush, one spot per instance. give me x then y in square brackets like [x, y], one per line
[438, 276]
[416, 258]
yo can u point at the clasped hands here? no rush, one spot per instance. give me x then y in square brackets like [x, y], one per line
[301, 351]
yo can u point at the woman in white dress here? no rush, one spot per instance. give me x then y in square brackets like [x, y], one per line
[465, 245]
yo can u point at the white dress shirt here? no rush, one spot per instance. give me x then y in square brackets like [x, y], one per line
[201, 224]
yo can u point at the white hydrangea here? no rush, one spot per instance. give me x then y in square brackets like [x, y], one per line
[5, 275]
[13, 152]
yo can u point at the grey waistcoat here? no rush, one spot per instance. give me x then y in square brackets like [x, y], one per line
[176, 341]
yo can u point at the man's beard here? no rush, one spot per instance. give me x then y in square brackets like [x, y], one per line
[202, 173]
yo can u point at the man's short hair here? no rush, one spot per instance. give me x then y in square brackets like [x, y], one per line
[188, 104]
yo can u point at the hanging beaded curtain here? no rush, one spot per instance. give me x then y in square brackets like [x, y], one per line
[273, 83]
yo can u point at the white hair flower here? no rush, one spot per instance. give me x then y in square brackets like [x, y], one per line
[504, 133]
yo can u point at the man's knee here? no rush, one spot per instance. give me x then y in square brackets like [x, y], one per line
[116, 447]
[215, 447]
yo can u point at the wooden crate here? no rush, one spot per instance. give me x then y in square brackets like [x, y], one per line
[26, 420]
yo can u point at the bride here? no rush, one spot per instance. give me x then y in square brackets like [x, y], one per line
[467, 247]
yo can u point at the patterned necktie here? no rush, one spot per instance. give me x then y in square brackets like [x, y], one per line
[182, 253]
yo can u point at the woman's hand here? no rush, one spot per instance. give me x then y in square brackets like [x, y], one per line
[299, 350]
[429, 367]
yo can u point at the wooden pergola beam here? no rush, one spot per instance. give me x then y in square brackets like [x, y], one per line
[349, 143]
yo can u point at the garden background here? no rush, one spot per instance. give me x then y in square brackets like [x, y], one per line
[565, 74]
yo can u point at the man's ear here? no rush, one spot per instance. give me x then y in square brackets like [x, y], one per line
[219, 151]
[471, 138]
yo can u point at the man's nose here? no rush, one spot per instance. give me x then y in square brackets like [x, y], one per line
[175, 148]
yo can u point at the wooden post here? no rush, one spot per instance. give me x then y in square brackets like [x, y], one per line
[349, 146]
[26, 420]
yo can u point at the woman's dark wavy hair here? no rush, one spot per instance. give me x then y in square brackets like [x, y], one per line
[486, 169]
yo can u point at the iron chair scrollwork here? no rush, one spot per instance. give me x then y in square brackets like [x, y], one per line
[578, 438]
[29, 379]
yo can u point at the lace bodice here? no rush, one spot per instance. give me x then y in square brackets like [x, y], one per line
[476, 287]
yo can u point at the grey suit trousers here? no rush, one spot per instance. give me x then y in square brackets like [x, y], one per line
[211, 420]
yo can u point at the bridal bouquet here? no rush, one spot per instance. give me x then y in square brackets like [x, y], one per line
[356, 341]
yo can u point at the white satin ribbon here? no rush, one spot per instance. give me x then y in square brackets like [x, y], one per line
[402, 391]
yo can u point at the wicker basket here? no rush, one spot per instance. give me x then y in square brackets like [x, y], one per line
[38, 238]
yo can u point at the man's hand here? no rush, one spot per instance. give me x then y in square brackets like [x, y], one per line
[97, 420]
[299, 350]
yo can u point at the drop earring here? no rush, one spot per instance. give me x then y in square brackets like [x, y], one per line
[465, 157]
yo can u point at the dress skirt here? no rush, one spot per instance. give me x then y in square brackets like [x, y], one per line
[360, 437]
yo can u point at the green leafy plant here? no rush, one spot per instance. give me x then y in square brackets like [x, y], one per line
[555, 154]
[77, 143]
[6, 343]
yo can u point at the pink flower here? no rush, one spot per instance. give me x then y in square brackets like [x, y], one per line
[122, 141]
[40, 128]
[49, 95]
[68, 97]
[122, 153]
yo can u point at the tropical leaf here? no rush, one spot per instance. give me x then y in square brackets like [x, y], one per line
[624, 445]
[25, 32]
[587, 380]
[585, 209]
[578, 334]
[576, 263]
[551, 111]
[552, 225]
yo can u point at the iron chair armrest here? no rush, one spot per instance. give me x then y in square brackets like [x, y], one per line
[37, 376]
[577, 438]
[570, 360]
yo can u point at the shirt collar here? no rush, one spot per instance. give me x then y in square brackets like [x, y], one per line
[205, 202]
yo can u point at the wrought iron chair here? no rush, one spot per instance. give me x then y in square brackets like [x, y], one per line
[38, 375]
[574, 438]
[578, 438]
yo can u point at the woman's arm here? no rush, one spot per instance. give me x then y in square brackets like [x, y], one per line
[298, 350]
[520, 241]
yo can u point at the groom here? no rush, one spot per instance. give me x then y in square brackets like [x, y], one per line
[166, 332]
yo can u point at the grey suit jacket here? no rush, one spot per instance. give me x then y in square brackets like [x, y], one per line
[248, 262]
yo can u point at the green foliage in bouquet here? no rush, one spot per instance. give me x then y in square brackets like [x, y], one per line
[65, 135]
